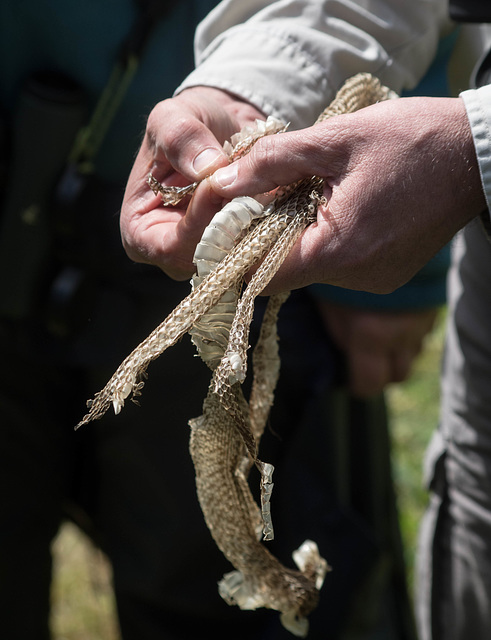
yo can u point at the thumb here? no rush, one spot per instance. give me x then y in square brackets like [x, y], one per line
[195, 154]
[274, 161]
[180, 141]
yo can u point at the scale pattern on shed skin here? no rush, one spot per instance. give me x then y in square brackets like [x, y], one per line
[129, 377]
[224, 440]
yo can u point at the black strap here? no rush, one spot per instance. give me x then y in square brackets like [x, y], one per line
[149, 14]
[470, 10]
[39, 213]
[90, 137]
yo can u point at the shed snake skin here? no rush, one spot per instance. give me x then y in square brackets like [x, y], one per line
[217, 313]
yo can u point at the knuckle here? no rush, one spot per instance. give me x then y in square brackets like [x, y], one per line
[263, 153]
[169, 129]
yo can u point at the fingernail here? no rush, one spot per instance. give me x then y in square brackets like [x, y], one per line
[205, 159]
[225, 177]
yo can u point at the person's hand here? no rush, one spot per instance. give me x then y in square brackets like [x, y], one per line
[380, 346]
[401, 177]
[182, 144]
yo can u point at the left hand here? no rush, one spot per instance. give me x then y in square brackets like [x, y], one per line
[380, 346]
[182, 144]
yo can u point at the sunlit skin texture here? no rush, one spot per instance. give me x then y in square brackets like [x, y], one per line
[401, 177]
[182, 144]
[399, 185]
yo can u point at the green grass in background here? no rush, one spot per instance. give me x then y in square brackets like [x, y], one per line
[414, 411]
[83, 606]
[83, 602]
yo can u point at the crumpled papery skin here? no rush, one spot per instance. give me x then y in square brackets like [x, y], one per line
[236, 589]
[224, 439]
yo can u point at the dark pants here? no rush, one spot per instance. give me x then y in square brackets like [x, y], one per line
[128, 480]
[454, 572]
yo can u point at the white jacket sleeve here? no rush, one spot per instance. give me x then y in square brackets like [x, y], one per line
[477, 103]
[289, 57]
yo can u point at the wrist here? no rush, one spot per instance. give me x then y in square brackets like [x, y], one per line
[241, 110]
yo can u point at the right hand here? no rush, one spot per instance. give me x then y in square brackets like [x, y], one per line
[182, 144]
[400, 178]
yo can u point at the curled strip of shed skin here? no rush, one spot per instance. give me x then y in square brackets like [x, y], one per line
[224, 439]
